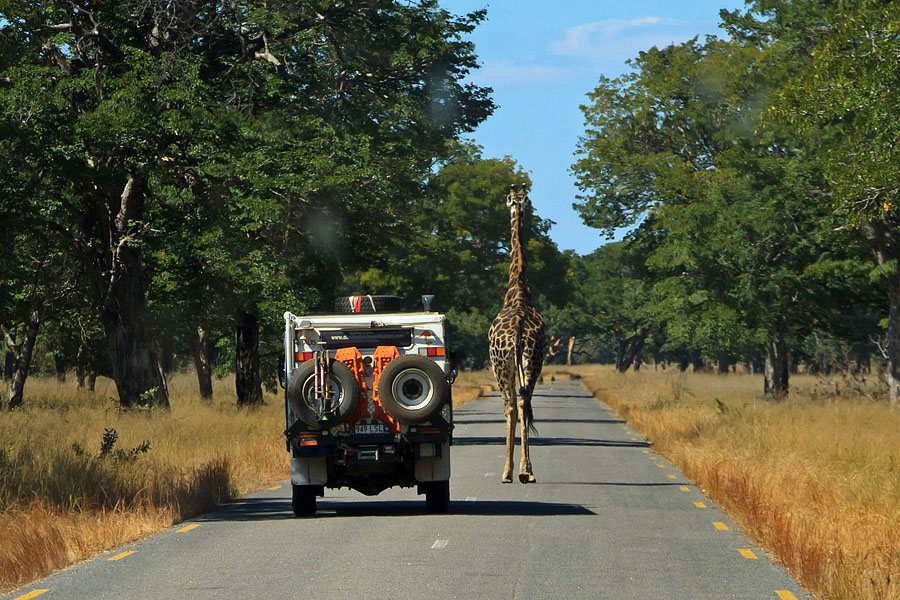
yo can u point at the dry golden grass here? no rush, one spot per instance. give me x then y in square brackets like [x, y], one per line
[60, 502]
[815, 481]
[470, 385]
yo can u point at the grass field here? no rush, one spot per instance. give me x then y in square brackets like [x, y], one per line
[71, 488]
[815, 479]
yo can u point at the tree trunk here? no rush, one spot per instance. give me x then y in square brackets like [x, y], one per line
[569, 350]
[91, 380]
[200, 348]
[246, 368]
[629, 349]
[135, 364]
[22, 354]
[79, 367]
[776, 368]
[697, 360]
[9, 365]
[167, 355]
[721, 363]
[893, 342]
[60, 366]
[885, 236]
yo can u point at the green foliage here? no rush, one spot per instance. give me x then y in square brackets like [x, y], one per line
[736, 237]
[272, 147]
[457, 248]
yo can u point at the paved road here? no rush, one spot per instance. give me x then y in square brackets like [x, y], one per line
[608, 518]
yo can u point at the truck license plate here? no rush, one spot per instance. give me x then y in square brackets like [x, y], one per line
[371, 428]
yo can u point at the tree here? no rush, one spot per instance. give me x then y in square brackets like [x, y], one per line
[682, 145]
[457, 249]
[238, 121]
[851, 88]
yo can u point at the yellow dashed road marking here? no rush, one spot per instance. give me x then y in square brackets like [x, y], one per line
[645, 451]
[31, 594]
[188, 528]
[273, 488]
[634, 439]
[660, 466]
[720, 525]
[670, 476]
[241, 502]
[785, 595]
[685, 488]
[699, 505]
[122, 555]
[747, 553]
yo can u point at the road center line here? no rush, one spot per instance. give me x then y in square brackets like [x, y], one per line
[273, 488]
[699, 505]
[439, 545]
[685, 488]
[747, 553]
[122, 555]
[720, 525]
[785, 595]
[31, 594]
[188, 528]
[670, 476]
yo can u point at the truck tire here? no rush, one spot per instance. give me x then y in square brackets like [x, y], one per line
[437, 497]
[413, 389]
[368, 304]
[303, 500]
[301, 393]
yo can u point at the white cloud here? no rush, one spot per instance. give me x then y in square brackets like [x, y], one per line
[618, 39]
[508, 72]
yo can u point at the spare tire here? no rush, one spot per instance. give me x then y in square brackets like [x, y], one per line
[368, 304]
[301, 394]
[413, 388]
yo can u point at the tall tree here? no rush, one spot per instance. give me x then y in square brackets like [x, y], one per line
[237, 120]
[851, 89]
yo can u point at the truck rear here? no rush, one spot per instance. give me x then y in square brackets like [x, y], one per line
[368, 403]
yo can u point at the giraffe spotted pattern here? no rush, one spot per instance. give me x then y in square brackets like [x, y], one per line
[517, 345]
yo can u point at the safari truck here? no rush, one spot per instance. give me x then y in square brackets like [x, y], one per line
[368, 401]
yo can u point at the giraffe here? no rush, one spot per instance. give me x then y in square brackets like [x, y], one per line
[517, 343]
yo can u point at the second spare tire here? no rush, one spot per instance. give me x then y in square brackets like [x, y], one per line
[413, 389]
[301, 394]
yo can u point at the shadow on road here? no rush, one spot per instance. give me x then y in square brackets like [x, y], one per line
[538, 441]
[614, 483]
[499, 508]
[252, 509]
[537, 421]
[270, 509]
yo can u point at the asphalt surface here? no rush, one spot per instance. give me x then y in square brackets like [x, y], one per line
[607, 518]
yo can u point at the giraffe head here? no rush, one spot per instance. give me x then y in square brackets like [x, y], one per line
[517, 200]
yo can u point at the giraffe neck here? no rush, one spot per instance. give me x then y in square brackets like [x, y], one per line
[517, 288]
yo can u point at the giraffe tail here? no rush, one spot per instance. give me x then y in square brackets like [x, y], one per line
[527, 414]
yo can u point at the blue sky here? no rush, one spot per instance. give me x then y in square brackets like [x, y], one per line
[541, 58]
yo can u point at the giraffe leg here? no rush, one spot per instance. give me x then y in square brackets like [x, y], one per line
[526, 475]
[509, 402]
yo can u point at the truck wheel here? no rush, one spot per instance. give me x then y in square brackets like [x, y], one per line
[412, 388]
[368, 304]
[301, 393]
[303, 500]
[437, 497]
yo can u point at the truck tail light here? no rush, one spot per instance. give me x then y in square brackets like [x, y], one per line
[432, 352]
[303, 356]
